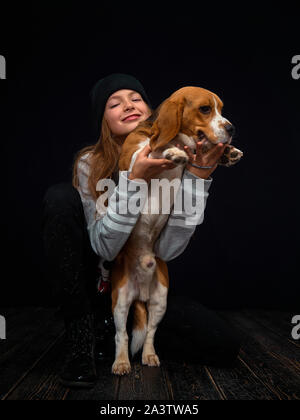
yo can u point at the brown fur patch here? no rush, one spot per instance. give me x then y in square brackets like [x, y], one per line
[140, 315]
[162, 272]
[118, 278]
[131, 144]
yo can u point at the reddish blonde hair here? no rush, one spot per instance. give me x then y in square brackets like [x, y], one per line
[103, 159]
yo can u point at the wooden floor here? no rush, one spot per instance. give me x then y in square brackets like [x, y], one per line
[268, 367]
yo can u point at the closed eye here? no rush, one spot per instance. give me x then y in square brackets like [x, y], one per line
[133, 100]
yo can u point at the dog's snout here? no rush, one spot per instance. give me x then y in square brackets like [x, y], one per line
[230, 129]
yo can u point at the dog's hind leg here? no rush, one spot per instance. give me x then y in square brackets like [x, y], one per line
[156, 306]
[122, 298]
[121, 364]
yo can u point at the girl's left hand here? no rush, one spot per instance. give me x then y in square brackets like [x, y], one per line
[210, 158]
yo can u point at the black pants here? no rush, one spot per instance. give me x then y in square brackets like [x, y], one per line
[70, 260]
[188, 330]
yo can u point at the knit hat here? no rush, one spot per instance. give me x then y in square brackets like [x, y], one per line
[104, 88]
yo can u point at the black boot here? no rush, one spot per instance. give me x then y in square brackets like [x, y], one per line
[79, 369]
[104, 328]
[105, 339]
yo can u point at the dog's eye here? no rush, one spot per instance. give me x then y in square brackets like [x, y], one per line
[205, 109]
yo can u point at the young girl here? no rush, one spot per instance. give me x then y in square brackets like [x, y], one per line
[78, 242]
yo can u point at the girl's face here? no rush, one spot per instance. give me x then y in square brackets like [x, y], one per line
[124, 110]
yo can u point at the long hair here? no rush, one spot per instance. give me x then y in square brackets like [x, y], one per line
[103, 159]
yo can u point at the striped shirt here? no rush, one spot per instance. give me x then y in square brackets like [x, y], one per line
[108, 233]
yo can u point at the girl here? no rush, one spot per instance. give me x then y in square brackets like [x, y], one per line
[78, 243]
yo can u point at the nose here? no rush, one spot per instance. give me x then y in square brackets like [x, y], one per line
[230, 129]
[128, 105]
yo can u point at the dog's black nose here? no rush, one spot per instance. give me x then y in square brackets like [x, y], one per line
[230, 129]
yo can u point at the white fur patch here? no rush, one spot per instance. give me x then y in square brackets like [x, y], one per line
[142, 144]
[217, 125]
[138, 339]
[186, 140]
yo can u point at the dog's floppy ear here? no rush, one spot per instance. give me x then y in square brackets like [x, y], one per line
[167, 124]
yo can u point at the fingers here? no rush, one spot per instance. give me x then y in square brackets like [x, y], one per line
[157, 162]
[161, 163]
[188, 152]
[217, 151]
[209, 158]
[145, 151]
[199, 147]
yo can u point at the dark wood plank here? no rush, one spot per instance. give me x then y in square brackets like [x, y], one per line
[107, 385]
[239, 383]
[41, 381]
[268, 366]
[281, 348]
[105, 389]
[36, 331]
[276, 340]
[264, 363]
[190, 382]
[144, 383]
[276, 321]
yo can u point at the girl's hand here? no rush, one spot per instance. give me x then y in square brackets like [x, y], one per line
[210, 158]
[147, 168]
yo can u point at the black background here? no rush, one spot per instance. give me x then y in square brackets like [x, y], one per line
[246, 251]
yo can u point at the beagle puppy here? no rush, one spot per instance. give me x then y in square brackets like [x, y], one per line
[138, 277]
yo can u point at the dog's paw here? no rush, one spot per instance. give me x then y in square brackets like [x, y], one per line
[150, 360]
[230, 156]
[121, 368]
[177, 156]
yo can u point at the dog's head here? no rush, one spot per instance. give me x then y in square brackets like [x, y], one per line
[193, 112]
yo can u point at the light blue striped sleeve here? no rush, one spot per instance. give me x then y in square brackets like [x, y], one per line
[184, 219]
[108, 233]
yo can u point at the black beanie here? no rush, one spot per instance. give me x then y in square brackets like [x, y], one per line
[104, 88]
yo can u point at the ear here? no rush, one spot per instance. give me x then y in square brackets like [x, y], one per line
[168, 123]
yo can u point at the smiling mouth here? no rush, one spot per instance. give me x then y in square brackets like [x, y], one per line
[131, 117]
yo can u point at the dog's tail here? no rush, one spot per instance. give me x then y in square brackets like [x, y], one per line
[139, 326]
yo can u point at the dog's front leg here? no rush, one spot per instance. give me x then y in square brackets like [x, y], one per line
[230, 156]
[175, 155]
[121, 364]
